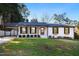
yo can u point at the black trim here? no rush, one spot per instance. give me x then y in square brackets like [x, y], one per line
[30, 30]
[47, 31]
[26, 29]
[35, 30]
[20, 29]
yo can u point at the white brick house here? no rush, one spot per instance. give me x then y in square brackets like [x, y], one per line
[43, 30]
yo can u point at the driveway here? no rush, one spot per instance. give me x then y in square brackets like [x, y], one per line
[6, 39]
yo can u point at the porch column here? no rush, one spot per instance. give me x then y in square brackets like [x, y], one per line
[37, 30]
[28, 29]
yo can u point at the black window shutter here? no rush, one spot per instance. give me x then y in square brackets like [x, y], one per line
[53, 30]
[20, 29]
[57, 30]
[35, 29]
[30, 30]
[68, 30]
[26, 29]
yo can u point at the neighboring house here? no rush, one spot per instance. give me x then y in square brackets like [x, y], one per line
[41, 29]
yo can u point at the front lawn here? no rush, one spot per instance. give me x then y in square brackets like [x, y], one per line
[40, 47]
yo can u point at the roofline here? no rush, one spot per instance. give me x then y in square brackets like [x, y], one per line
[47, 25]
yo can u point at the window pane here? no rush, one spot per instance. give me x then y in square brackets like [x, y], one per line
[42, 30]
[33, 30]
[66, 30]
[23, 30]
[55, 30]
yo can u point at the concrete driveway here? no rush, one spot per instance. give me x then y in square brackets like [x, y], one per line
[6, 39]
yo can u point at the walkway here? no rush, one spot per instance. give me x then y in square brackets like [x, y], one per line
[5, 39]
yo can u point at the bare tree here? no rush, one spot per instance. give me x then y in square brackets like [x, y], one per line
[34, 20]
[45, 18]
[59, 17]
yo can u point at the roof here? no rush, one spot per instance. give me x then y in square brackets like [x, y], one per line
[34, 24]
[11, 24]
[60, 25]
[40, 24]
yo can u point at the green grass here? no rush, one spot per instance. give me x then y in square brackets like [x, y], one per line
[40, 47]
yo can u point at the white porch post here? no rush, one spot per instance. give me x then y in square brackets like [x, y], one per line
[28, 30]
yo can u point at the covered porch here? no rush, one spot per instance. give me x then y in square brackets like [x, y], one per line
[32, 31]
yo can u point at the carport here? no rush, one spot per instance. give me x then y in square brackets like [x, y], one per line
[10, 29]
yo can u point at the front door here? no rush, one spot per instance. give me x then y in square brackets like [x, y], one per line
[43, 32]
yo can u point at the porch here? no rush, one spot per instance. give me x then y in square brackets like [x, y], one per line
[32, 31]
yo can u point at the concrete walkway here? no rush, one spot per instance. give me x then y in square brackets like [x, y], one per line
[6, 39]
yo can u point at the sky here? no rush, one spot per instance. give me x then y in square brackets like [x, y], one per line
[39, 9]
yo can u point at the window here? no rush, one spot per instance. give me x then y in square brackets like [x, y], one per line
[55, 30]
[32, 30]
[23, 30]
[42, 30]
[66, 30]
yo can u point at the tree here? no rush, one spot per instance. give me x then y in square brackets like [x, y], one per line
[67, 20]
[12, 12]
[75, 22]
[59, 18]
[34, 20]
[26, 20]
[24, 11]
[45, 18]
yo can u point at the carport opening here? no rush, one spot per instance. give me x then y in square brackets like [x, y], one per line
[6, 31]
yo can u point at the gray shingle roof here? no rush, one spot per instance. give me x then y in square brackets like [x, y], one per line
[11, 24]
[33, 24]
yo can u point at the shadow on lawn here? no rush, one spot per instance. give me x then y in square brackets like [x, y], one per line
[39, 48]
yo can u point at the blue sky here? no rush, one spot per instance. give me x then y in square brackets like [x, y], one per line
[39, 9]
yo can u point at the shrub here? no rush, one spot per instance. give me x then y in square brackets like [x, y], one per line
[59, 37]
[51, 37]
[76, 36]
[67, 38]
